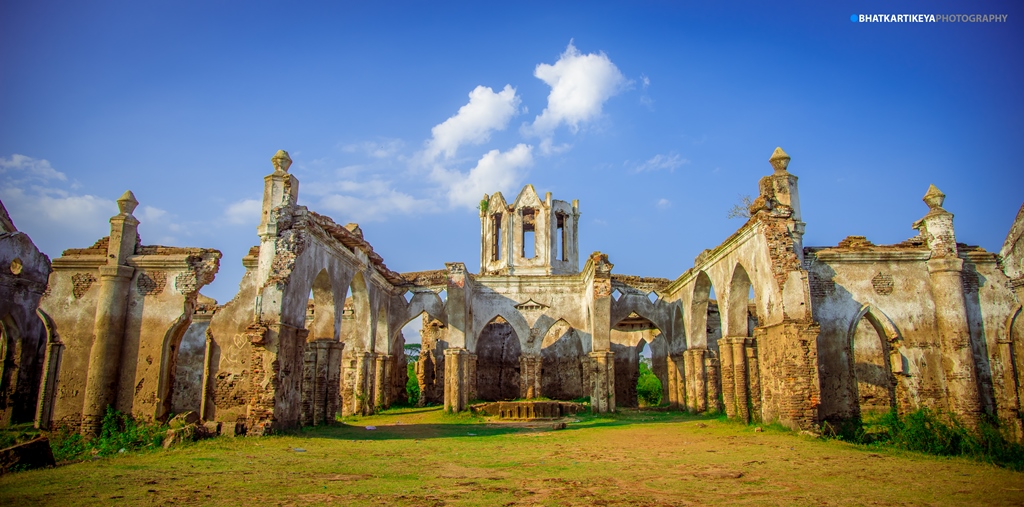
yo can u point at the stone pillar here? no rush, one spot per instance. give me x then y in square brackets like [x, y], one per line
[728, 372]
[380, 381]
[322, 350]
[357, 373]
[602, 398]
[712, 373]
[529, 376]
[471, 377]
[308, 403]
[48, 381]
[335, 351]
[754, 379]
[456, 366]
[111, 312]
[739, 356]
[785, 192]
[945, 274]
[677, 385]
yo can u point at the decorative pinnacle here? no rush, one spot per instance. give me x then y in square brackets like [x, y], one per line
[934, 197]
[127, 203]
[281, 161]
[779, 160]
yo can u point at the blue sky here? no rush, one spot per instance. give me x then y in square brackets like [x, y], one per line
[399, 116]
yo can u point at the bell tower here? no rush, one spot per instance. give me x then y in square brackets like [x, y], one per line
[530, 236]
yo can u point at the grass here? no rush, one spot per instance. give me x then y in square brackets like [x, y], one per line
[422, 456]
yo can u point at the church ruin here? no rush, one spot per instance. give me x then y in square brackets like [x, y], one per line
[760, 327]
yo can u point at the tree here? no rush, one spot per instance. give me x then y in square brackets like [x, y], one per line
[741, 209]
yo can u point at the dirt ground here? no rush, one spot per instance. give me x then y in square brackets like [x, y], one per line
[422, 457]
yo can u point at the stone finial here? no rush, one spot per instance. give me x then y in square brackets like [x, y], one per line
[281, 161]
[934, 197]
[127, 203]
[779, 160]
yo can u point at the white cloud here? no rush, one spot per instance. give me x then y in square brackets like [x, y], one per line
[372, 206]
[580, 85]
[486, 112]
[663, 204]
[54, 218]
[384, 148]
[659, 162]
[30, 168]
[244, 212]
[495, 171]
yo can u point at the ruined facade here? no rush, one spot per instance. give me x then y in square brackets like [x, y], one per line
[761, 327]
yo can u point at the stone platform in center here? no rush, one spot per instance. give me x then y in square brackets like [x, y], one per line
[528, 410]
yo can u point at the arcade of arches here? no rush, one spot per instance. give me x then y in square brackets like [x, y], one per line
[760, 327]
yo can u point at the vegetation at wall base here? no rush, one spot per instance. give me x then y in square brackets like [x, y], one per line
[933, 433]
[119, 433]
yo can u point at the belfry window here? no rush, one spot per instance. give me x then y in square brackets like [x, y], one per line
[529, 240]
[496, 237]
[560, 237]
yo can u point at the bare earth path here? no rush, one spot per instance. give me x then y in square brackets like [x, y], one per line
[422, 457]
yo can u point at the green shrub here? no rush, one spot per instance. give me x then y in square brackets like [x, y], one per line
[944, 435]
[648, 386]
[412, 385]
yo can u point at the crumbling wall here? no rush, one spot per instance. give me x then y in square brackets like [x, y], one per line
[562, 368]
[190, 368]
[497, 370]
[23, 337]
[430, 366]
[231, 353]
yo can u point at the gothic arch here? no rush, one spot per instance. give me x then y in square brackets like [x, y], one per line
[736, 322]
[698, 335]
[890, 341]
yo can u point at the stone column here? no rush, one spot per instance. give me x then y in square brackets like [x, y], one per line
[739, 356]
[380, 381]
[471, 377]
[602, 399]
[529, 376]
[754, 379]
[335, 351]
[712, 373]
[48, 381]
[356, 375]
[456, 395]
[945, 274]
[728, 372]
[677, 384]
[322, 349]
[111, 311]
[690, 364]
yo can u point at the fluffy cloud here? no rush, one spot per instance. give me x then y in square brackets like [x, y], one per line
[244, 212]
[494, 171]
[486, 112]
[21, 167]
[663, 204]
[580, 85]
[52, 216]
[659, 162]
[384, 148]
[368, 201]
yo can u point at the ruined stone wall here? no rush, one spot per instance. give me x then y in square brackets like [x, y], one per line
[889, 281]
[231, 372]
[892, 280]
[789, 385]
[562, 367]
[23, 274]
[190, 368]
[161, 295]
[498, 363]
